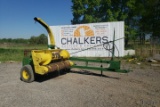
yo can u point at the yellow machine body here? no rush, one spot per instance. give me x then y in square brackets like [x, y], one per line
[45, 61]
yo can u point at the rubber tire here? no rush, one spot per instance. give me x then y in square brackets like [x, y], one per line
[30, 73]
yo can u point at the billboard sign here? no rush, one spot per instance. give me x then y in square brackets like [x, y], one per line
[88, 39]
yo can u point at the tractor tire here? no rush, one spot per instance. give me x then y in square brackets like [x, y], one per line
[27, 74]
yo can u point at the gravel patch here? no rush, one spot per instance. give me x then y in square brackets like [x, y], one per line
[80, 88]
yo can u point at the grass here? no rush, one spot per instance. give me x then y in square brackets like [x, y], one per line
[22, 46]
[14, 52]
[11, 54]
[145, 50]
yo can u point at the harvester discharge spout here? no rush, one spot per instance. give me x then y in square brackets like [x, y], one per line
[51, 36]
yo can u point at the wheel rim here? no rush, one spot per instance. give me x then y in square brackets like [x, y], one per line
[25, 75]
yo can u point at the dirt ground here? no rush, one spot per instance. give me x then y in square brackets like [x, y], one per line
[80, 88]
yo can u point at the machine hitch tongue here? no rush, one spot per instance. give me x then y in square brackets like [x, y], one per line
[105, 65]
[114, 65]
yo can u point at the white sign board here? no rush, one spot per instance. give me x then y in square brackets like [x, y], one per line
[78, 39]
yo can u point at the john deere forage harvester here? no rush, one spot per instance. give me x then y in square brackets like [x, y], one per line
[54, 59]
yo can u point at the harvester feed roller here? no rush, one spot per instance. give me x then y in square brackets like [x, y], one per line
[59, 66]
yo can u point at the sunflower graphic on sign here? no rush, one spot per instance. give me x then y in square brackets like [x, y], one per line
[83, 31]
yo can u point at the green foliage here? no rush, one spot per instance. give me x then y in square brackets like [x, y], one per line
[139, 15]
[12, 49]
[11, 54]
[10, 40]
[15, 52]
[41, 39]
[150, 16]
[85, 11]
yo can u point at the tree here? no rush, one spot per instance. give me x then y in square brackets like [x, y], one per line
[147, 13]
[41, 39]
[33, 40]
[156, 22]
[140, 16]
[86, 11]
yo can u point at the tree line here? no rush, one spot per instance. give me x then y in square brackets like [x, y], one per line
[41, 39]
[141, 17]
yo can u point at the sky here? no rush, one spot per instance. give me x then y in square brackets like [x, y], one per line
[17, 16]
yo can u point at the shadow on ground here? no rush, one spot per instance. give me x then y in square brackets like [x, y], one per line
[86, 72]
[42, 78]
